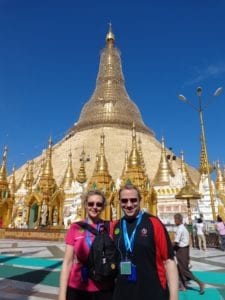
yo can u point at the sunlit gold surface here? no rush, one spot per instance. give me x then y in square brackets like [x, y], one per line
[69, 176]
[81, 176]
[3, 171]
[220, 185]
[164, 172]
[203, 167]
[110, 104]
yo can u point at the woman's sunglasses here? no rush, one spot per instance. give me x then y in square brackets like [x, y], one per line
[125, 200]
[97, 204]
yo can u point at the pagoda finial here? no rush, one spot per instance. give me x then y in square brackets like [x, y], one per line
[48, 161]
[219, 178]
[50, 142]
[3, 171]
[68, 176]
[101, 177]
[135, 171]
[47, 181]
[110, 38]
[103, 165]
[81, 176]
[164, 171]
[203, 168]
[134, 158]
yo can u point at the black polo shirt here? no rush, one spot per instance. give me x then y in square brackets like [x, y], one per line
[152, 247]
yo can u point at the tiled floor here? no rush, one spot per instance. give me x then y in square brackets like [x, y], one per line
[30, 270]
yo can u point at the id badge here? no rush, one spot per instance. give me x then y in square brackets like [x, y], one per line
[125, 267]
[133, 275]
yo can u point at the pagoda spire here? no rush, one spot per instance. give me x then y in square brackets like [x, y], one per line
[48, 170]
[47, 181]
[68, 176]
[164, 171]
[110, 102]
[102, 164]
[184, 171]
[135, 172]
[220, 186]
[134, 157]
[110, 37]
[81, 176]
[12, 181]
[24, 182]
[3, 171]
[101, 178]
[203, 161]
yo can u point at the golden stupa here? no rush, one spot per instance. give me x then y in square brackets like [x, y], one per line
[106, 147]
[110, 111]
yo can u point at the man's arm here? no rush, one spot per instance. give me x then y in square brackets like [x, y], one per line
[172, 278]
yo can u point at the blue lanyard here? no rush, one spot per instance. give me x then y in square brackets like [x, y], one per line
[129, 242]
[88, 235]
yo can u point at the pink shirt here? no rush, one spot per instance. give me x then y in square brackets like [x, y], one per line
[220, 228]
[76, 237]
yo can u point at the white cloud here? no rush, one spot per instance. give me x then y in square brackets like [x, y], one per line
[210, 71]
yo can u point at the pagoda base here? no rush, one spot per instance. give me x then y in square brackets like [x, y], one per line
[44, 233]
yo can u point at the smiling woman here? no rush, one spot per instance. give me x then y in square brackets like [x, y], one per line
[75, 280]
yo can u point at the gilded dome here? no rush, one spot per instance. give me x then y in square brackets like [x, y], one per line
[110, 104]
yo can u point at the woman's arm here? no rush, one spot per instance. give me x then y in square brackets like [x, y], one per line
[66, 267]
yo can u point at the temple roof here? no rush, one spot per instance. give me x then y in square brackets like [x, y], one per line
[110, 104]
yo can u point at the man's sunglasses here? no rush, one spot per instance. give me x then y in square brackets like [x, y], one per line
[125, 200]
[97, 204]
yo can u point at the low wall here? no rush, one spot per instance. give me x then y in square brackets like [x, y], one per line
[33, 234]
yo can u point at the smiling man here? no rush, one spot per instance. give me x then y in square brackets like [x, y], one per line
[147, 267]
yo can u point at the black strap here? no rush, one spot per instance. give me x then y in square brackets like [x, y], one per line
[88, 227]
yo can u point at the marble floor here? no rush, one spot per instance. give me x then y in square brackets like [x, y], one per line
[30, 270]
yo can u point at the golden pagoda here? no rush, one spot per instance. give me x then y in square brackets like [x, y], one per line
[109, 110]
[59, 176]
[110, 104]
[164, 171]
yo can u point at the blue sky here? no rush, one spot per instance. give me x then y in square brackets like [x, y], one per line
[49, 57]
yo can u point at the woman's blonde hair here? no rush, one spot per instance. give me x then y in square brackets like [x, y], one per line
[92, 193]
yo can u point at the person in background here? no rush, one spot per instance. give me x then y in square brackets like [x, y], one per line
[201, 234]
[220, 227]
[74, 281]
[147, 266]
[181, 247]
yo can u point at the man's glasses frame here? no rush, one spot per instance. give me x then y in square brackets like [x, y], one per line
[126, 200]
